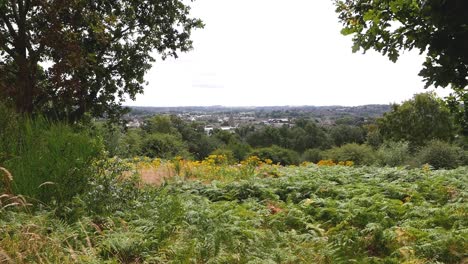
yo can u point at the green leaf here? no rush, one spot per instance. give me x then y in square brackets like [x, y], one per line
[348, 31]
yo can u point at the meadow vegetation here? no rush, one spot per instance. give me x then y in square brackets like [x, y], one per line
[169, 193]
[255, 212]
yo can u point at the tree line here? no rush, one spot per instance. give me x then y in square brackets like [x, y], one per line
[423, 121]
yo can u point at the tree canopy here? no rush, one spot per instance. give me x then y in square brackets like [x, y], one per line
[437, 28]
[67, 58]
[419, 120]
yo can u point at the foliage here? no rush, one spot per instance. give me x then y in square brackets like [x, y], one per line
[226, 153]
[418, 121]
[343, 134]
[373, 136]
[333, 163]
[436, 28]
[304, 135]
[393, 153]
[164, 146]
[159, 124]
[49, 160]
[440, 154]
[131, 143]
[191, 133]
[306, 214]
[239, 149]
[359, 154]
[312, 155]
[277, 155]
[95, 58]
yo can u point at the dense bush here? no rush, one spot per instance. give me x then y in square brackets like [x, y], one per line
[49, 161]
[164, 146]
[240, 150]
[359, 154]
[277, 155]
[131, 143]
[393, 153]
[440, 155]
[312, 155]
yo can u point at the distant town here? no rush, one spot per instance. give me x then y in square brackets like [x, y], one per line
[229, 118]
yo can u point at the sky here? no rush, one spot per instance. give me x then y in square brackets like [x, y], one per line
[268, 53]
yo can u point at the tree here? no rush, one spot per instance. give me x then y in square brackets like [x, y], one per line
[306, 134]
[437, 28]
[72, 57]
[418, 121]
[342, 134]
[264, 137]
[160, 124]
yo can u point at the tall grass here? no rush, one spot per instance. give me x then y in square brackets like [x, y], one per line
[50, 160]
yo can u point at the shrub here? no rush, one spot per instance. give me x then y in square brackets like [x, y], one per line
[164, 146]
[131, 143]
[359, 154]
[240, 150]
[393, 153]
[440, 154]
[277, 155]
[312, 155]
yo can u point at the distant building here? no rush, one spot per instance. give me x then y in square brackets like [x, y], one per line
[209, 130]
[135, 123]
[228, 128]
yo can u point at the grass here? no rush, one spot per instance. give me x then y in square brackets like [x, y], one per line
[49, 160]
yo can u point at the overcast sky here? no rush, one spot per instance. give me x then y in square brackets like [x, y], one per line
[267, 52]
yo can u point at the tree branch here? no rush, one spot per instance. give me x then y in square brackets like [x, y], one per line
[27, 6]
[9, 26]
[8, 50]
[15, 10]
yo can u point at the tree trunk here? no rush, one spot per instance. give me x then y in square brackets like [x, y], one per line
[26, 86]
[27, 67]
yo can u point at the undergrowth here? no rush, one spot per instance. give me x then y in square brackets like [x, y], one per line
[307, 214]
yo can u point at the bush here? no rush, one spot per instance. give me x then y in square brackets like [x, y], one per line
[440, 155]
[163, 146]
[277, 155]
[359, 154]
[49, 161]
[312, 155]
[393, 153]
[132, 143]
[240, 150]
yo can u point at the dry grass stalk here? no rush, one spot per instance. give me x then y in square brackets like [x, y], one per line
[4, 258]
[7, 179]
[7, 198]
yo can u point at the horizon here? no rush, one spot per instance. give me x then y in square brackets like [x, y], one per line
[254, 106]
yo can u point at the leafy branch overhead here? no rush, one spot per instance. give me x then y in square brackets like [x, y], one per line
[437, 28]
[83, 56]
